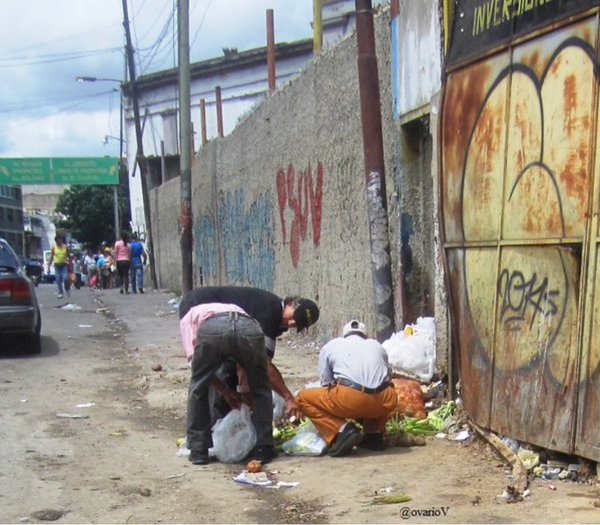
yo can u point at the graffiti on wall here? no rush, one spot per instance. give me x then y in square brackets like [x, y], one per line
[246, 241]
[525, 297]
[300, 196]
[525, 175]
[206, 248]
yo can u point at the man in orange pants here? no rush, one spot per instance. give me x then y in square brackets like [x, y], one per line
[356, 384]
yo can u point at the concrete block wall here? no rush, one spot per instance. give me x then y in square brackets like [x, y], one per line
[165, 203]
[280, 203]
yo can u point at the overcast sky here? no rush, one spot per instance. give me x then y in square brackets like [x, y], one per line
[46, 44]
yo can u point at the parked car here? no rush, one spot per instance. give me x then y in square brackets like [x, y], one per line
[19, 308]
[34, 269]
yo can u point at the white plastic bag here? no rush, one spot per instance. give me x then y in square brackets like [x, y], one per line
[306, 442]
[234, 436]
[413, 349]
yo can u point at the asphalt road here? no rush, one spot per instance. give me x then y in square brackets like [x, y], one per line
[88, 430]
[88, 427]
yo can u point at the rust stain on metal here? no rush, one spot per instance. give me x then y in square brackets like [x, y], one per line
[533, 60]
[574, 175]
[570, 102]
[463, 102]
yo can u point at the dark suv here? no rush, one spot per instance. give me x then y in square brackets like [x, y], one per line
[19, 309]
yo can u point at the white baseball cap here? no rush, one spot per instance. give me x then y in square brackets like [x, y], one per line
[354, 327]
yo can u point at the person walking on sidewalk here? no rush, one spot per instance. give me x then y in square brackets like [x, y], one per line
[275, 316]
[60, 258]
[138, 261]
[122, 251]
[211, 334]
[356, 384]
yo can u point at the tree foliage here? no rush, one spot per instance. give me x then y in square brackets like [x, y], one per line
[90, 213]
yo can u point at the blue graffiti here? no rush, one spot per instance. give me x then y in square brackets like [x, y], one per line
[246, 242]
[207, 260]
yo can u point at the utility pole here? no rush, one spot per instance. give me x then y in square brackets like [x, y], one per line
[370, 110]
[139, 157]
[185, 136]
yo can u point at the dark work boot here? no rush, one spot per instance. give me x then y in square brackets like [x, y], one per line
[345, 441]
[373, 441]
[264, 454]
[199, 457]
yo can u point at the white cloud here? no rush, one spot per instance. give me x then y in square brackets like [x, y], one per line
[44, 46]
[77, 134]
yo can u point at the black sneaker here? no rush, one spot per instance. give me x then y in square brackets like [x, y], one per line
[199, 457]
[264, 454]
[373, 441]
[345, 441]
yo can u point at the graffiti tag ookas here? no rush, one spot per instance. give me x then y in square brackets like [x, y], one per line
[520, 296]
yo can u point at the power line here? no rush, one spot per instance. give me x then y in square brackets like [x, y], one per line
[201, 22]
[19, 61]
[27, 105]
[156, 47]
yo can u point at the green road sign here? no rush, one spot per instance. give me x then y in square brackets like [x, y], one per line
[61, 170]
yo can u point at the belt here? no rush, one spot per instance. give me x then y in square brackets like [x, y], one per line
[361, 388]
[231, 315]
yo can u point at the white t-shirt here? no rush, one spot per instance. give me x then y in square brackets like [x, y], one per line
[363, 361]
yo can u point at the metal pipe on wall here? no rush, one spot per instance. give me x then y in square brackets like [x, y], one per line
[317, 26]
[203, 121]
[271, 51]
[219, 102]
[370, 106]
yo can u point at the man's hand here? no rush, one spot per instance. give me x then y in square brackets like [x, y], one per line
[232, 398]
[247, 398]
[292, 410]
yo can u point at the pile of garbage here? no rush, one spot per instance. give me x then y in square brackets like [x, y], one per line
[549, 466]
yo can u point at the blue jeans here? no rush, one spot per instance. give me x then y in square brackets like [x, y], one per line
[137, 277]
[61, 274]
[220, 338]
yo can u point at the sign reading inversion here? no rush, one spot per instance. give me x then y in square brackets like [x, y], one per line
[74, 171]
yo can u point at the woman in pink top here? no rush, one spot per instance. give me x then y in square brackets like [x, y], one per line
[122, 252]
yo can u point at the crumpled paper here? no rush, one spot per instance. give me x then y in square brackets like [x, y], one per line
[260, 479]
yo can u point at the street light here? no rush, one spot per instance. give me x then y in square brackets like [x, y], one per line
[96, 79]
[105, 141]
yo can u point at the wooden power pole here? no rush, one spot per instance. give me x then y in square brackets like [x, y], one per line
[185, 136]
[139, 157]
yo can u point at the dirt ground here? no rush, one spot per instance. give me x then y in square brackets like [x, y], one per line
[88, 431]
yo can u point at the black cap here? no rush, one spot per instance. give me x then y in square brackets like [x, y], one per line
[305, 314]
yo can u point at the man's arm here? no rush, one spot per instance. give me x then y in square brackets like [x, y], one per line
[278, 384]
[229, 395]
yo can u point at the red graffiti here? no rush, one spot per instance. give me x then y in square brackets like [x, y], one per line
[303, 198]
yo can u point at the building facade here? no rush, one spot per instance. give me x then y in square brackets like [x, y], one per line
[11, 217]
[241, 78]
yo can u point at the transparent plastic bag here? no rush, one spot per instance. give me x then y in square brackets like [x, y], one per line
[278, 408]
[306, 442]
[234, 436]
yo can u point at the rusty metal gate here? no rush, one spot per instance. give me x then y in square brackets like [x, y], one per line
[520, 185]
